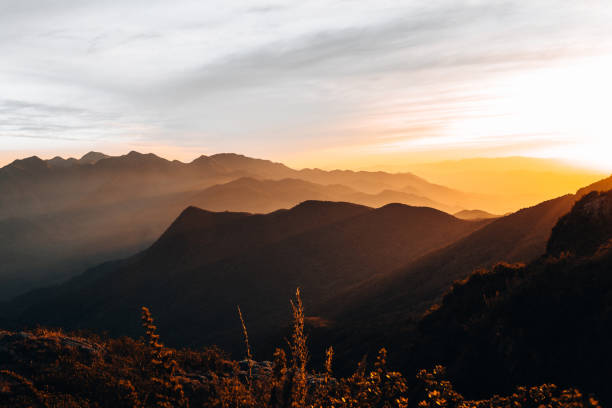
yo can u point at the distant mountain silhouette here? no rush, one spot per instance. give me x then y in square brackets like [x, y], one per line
[61, 162]
[206, 263]
[34, 186]
[262, 196]
[28, 166]
[474, 215]
[543, 323]
[243, 165]
[92, 157]
[75, 214]
[88, 158]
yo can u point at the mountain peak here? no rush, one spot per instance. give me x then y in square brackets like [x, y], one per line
[58, 161]
[319, 204]
[585, 228]
[200, 158]
[229, 156]
[134, 155]
[399, 210]
[234, 158]
[32, 163]
[92, 157]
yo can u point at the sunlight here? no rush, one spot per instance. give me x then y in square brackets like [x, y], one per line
[550, 112]
[559, 112]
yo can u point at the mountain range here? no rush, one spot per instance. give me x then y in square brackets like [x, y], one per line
[383, 265]
[546, 322]
[216, 261]
[500, 296]
[61, 216]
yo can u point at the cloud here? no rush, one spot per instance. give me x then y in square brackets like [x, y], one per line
[290, 73]
[449, 36]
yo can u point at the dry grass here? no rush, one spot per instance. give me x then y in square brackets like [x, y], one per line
[249, 355]
[126, 373]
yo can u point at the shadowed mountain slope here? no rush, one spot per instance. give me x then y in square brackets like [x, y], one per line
[207, 263]
[387, 307]
[518, 237]
[585, 228]
[384, 309]
[547, 322]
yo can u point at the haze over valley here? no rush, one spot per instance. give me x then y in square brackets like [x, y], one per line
[74, 214]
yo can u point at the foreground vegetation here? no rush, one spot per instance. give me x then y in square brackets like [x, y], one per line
[46, 368]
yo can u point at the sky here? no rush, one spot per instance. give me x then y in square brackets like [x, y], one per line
[330, 83]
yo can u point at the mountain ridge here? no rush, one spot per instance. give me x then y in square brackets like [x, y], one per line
[547, 321]
[76, 216]
[316, 245]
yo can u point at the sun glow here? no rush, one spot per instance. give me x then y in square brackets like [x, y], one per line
[560, 111]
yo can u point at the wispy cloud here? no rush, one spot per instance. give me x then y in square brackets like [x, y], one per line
[277, 77]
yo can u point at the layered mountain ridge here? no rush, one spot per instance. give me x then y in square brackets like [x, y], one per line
[371, 277]
[73, 214]
[546, 322]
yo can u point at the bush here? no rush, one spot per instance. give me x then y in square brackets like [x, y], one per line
[52, 369]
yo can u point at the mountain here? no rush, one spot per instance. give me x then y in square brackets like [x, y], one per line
[92, 157]
[74, 214]
[33, 186]
[376, 182]
[545, 322]
[262, 196]
[474, 215]
[385, 308]
[585, 228]
[68, 242]
[370, 277]
[61, 162]
[88, 158]
[206, 263]
[519, 237]
[243, 165]
[407, 289]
